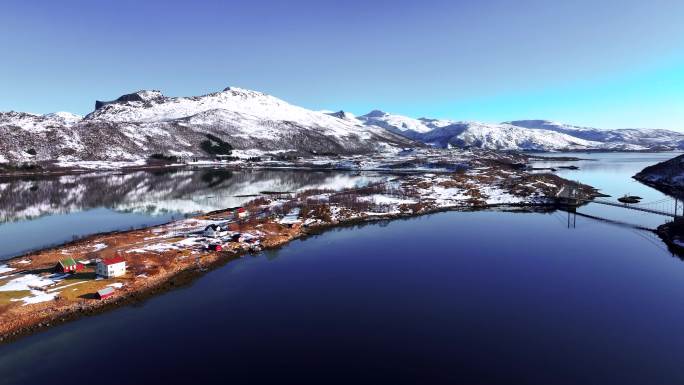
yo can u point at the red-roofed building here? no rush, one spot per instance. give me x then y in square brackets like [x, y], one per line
[111, 267]
[105, 293]
[241, 213]
[68, 265]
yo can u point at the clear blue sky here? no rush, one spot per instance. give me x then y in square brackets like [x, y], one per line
[602, 63]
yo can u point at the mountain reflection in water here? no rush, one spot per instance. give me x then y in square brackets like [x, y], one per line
[40, 211]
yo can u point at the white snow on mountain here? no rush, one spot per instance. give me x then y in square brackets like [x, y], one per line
[537, 135]
[143, 123]
[37, 123]
[627, 138]
[247, 113]
[448, 133]
[402, 124]
[508, 137]
[137, 125]
[155, 107]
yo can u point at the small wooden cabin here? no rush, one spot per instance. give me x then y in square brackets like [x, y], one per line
[105, 293]
[68, 265]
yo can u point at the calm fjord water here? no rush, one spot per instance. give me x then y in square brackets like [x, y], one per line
[39, 212]
[485, 297]
[460, 297]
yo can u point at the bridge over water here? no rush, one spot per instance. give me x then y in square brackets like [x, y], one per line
[669, 207]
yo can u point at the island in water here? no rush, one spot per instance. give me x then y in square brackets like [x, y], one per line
[50, 286]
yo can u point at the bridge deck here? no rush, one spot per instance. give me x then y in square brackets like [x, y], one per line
[632, 207]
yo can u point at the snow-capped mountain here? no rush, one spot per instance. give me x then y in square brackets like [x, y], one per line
[503, 137]
[536, 135]
[137, 125]
[448, 133]
[641, 138]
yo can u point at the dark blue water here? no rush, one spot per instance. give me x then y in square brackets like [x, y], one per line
[472, 298]
[26, 235]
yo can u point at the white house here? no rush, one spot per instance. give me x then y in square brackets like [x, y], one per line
[214, 231]
[292, 218]
[111, 267]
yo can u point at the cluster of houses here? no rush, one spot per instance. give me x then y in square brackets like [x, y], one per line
[105, 268]
[220, 232]
[116, 266]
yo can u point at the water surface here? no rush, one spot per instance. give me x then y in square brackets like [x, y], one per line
[476, 298]
[484, 297]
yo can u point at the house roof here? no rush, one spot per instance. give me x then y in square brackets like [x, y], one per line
[67, 262]
[212, 226]
[111, 261]
[106, 291]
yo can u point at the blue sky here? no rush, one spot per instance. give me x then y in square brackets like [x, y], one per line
[601, 63]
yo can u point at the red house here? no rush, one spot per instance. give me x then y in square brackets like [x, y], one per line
[68, 265]
[215, 247]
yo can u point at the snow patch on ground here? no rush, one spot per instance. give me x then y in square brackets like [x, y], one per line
[380, 199]
[100, 164]
[36, 296]
[98, 246]
[30, 281]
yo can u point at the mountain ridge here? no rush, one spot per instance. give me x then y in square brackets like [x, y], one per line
[526, 135]
[137, 125]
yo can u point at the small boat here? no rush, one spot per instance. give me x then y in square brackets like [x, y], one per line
[629, 199]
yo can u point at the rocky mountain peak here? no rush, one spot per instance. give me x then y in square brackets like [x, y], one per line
[138, 96]
[375, 114]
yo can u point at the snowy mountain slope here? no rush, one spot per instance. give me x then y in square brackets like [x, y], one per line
[446, 133]
[504, 137]
[403, 125]
[653, 139]
[537, 135]
[38, 123]
[137, 125]
[146, 122]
